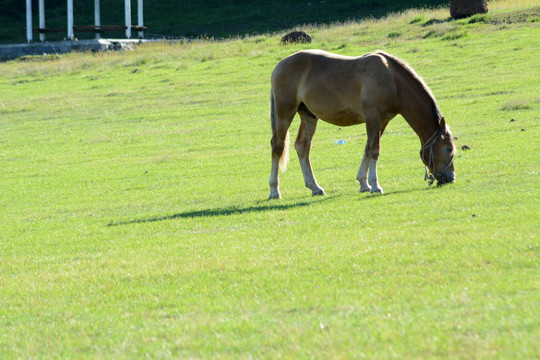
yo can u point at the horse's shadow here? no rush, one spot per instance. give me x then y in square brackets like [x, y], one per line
[262, 206]
[223, 211]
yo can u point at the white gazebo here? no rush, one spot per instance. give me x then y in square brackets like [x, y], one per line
[97, 27]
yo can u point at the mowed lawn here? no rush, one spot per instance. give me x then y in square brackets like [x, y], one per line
[135, 221]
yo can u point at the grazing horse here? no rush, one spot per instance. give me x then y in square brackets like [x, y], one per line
[344, 91]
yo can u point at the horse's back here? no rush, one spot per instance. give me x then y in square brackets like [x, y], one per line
[322, 63]
[333, 87]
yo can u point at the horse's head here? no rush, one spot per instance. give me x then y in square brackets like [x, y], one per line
[438, 154]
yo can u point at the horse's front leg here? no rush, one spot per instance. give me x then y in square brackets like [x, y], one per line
[363, 173]
[374, 131]
[302, 144]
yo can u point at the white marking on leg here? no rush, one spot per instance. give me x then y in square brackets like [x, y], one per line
[309, 178]
[361, 177]
[373, 181]
[303, 147]
[274, 180]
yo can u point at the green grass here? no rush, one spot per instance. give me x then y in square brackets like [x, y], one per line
[135, 221]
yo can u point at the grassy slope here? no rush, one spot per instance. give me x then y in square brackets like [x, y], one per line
[134, 221]
[202, 18]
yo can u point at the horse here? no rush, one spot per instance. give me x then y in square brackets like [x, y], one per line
[345, 91]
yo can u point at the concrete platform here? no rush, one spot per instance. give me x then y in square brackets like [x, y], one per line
[13, 51]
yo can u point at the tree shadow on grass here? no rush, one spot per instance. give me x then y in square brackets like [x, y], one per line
[223, 211]
[209, 19]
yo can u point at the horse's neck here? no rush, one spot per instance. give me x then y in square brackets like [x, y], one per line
[418, 112]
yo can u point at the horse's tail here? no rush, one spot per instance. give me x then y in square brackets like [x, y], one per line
[284, 159]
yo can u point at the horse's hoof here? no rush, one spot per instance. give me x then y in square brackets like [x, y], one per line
[274, 197]
[366, 189]
[318, 192]
[376, 191]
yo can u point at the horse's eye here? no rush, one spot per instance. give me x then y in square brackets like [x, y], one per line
[449, 149]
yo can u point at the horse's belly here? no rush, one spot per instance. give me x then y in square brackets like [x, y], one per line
[346, 117]
[335, 107]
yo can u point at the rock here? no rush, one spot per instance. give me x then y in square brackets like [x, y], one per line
[296, 37]
[465, 8]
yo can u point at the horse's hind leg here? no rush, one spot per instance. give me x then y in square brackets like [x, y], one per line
[280, 146]
[302, 144]
[280, 143]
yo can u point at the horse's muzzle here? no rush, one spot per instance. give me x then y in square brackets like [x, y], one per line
[446, 178]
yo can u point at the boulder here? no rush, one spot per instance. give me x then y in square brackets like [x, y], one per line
[465, 8]
[296, 37]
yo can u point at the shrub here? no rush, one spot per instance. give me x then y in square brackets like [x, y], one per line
[516, 104]
[417, 19]
[479, 18]
[455, 34]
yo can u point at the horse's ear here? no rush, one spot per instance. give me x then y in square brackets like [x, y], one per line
[442, 124]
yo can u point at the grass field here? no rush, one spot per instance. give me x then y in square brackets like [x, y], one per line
[134, 219]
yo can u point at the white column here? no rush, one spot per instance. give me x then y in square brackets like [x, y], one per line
[140, 17]
[128, 18]
[70, 20]
[97, 16]
[42, 19]
[29, 21]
